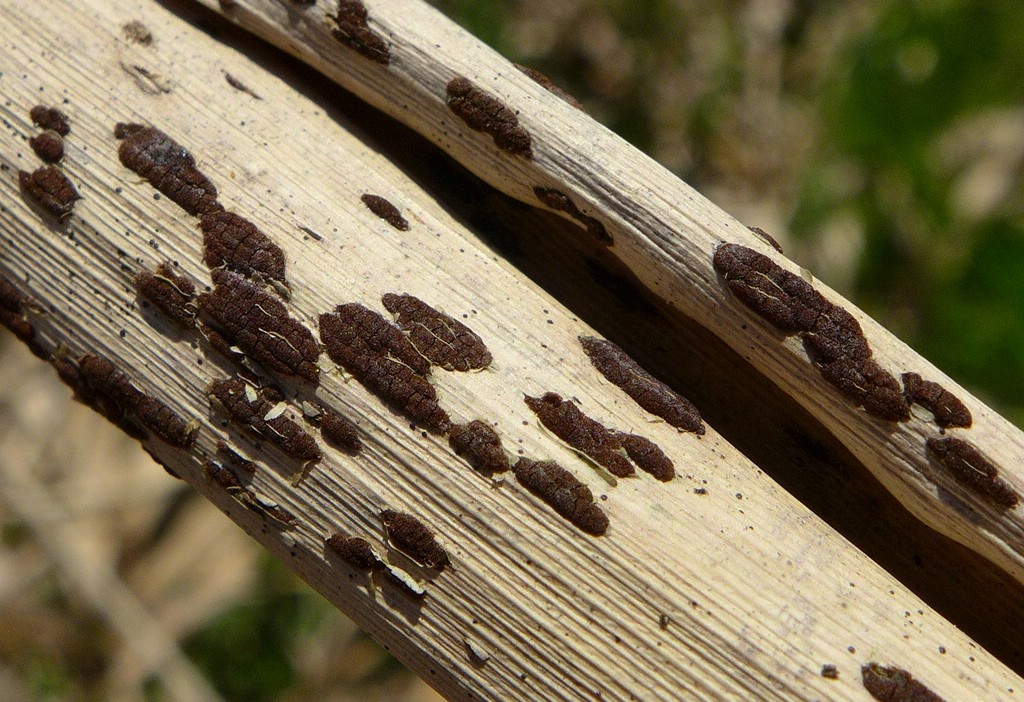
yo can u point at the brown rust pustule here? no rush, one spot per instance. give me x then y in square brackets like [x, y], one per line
[252, 411]
[647, 391]
[413, 538]
[168, 166]
[172, 294]
[444, 341]
[48, 146]
[892, 684]
[479, 444]
[563, 492]
[366, 345]
[50, 118]
[101, 385]
[972, 470]
[259, 324]
[12, 312]
[339, 431]
[648, 456]
[354, 32]
[581, 432]
[946, 408]
[233, 242]
[485, 113]
[832, 336]
[549, 85]
[383, 208]
[559, 201]
[356, 551]
[49, 188]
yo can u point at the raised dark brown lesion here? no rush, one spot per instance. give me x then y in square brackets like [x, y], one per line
[485, 113]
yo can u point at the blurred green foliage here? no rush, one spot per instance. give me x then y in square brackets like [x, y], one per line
[247, 650]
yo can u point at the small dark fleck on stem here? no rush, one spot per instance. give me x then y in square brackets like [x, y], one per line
[240, 86]
[891, 684]
[50, 118]
[947, 409]
[444, 341]
[647, 391]
[135, 31]
[972, 470]
[412, 537]
[50, 189]
[485, 113]
[830, 671]
[386, 211]
[563, 492]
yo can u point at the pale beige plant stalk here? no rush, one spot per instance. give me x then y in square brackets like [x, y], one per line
[716, 585]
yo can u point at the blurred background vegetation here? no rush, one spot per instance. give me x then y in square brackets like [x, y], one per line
[881, 142]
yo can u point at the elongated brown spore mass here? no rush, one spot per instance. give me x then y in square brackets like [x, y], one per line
[168, 166]
[562, 492]
[581, 432]
[559, 201]
[647, 391]
[110, 391]
[485, 113]
[549, 85]
[832, 336]
[48, 146]
[12, 311]
[972, 470]
[413, 538]
[258, 323]
[339, 431]
[250, 408]
[479, 444]
[946, 408]
[648, 456]
[235, 461]
[354, 32]
[766, 238]
[233, 242]
[49, 188]
[444, 341]
[383, 208]
[223, 476]
[366, 345]
[50, 118]
[892, 684]
[365, 332]
[785, 300]
[355, 551]
[172, 294]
